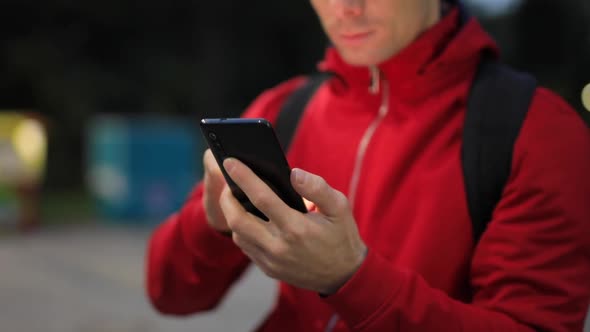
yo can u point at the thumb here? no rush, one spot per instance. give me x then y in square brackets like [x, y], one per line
[329, 201]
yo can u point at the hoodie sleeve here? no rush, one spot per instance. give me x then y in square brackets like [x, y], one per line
[530, 270]
[190, 266]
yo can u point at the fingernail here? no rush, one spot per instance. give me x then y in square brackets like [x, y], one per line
[229, 164]
[300, 175]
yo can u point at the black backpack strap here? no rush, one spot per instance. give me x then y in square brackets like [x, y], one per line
[294, 106]
[498, 103]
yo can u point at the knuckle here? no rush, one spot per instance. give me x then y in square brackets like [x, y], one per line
[318, 184]
[277, 250]
[270, 269]
[225, 196]
[293, 234]
[233, 224]
[261, 200]
[237, 239]
[341, 201]
[288, 237]
[243, 243]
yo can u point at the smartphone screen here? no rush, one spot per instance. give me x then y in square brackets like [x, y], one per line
[253, 142]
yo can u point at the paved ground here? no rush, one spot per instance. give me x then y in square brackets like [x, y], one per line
[90, 279]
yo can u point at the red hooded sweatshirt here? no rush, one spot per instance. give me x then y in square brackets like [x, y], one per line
[391, 138]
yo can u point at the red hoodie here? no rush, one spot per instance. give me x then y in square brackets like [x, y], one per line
[395, 150]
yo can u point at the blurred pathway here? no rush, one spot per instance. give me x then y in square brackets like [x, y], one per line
[90, 279]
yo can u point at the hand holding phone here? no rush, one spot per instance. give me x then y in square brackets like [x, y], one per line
[253, 142]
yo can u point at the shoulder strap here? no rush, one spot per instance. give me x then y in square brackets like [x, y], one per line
[498, 103]
[294, 106]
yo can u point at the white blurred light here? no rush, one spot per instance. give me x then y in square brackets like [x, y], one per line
[495, 7]
[586, 97]
[30, 144]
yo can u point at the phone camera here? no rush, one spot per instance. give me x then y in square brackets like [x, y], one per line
[212, 136]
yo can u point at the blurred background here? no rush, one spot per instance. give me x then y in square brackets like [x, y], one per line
[99, 105]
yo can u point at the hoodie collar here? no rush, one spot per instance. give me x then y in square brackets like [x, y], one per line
[452, 45]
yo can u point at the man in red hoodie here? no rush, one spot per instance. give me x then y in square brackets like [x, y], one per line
[389, 246]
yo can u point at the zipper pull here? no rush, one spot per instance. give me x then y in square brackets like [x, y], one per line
[375, 80]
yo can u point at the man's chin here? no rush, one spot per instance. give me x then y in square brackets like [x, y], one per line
[361, 58]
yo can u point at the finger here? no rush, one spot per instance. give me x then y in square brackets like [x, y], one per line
[258, 192]
[253, 251]
[329, 201]
[214, 184]
[213, 211]
[210, 164]
[213, 177]
[257, 255]
[243, 223]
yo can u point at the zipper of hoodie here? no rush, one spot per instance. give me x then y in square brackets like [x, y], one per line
[377, 84]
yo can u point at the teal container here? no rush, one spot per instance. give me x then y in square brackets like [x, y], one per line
[141, 169]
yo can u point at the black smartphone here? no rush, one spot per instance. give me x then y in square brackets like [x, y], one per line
[253, 142]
